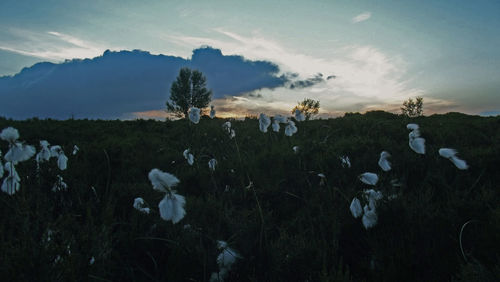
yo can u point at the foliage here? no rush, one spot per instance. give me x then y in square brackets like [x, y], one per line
[413, 108]
[291, 226]
[308, 107]
[188, 90]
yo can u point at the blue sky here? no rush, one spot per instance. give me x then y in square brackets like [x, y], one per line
[382, 52]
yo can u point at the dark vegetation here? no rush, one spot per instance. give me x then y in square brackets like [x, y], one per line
[303, 231]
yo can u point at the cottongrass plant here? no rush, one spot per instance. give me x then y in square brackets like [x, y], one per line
[225, 261]
[194, 115]
[18, 152]
[57, 152]
[369, 211]
[140, 205]
[188, 156]
[415, 142]
[346, 162]
[211, 164]
[172, 205]
[299, 116]
[10, 184]
[44, 154]
[383, 162]
[369, 178]
[212, 111]
[264, 122]
[451, 154]
[290, 129]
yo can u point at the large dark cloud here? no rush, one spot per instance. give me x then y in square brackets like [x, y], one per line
[117, 83]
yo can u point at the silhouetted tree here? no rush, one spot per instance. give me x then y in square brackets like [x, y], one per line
[308, 107]
[188, 90]
[413, 108]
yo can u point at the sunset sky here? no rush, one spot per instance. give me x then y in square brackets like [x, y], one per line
[380, 52]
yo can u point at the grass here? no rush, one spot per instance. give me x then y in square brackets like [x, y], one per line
[287, 225]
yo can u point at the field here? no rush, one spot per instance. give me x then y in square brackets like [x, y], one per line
[287, 223]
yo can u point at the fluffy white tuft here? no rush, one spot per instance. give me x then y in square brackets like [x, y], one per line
[418, 145]
[62, 161]
[369, 217]
[459, 163]
[355, 208]
[383, 162]
[194, 115]
[280, 119]
[75, 150]
[290, 129]
[162, 181]
[140, 205]
[299, 116]
[412, 126]
[9, 134]
[212, 111]
[369, 178]
[227, 126]
[296, 149]
[346, 162]
[276, 126]
[172, 207]
[264, 122]
[19, 152]
[212, 163]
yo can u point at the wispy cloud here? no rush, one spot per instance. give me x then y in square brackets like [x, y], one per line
[361, 17]
[49, 45]
[365, 78]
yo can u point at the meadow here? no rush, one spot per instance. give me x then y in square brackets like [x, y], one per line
[286, 212]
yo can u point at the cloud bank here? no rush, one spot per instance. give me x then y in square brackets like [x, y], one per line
[117, 84]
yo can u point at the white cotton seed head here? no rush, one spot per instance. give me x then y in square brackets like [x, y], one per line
[227, 126]
[264, 122]
[194, 115]
[185, 153]
[459, 163]
[447, 152]
[172, 207]
[227, 258]
[212, 163]
[232, 134]
[346, 162]
[212, 111]
[355, 208]
[10, 185]
[369, 218]
[295, 149]
[383, 162]
[140, 205]
[55, 151]
[19, 152]
[290, 129]
[75, 150]
[62, 161]
[299, 116]
[190, 159]
[369, 178]
[276, 126]
[9, 134]
[44, 154]
[418, 145]
[412, 126]
[280, 119]
[162, 181]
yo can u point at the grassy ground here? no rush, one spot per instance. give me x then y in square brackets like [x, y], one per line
[289, 225]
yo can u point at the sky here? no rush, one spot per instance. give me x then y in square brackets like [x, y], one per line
[380, 52]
